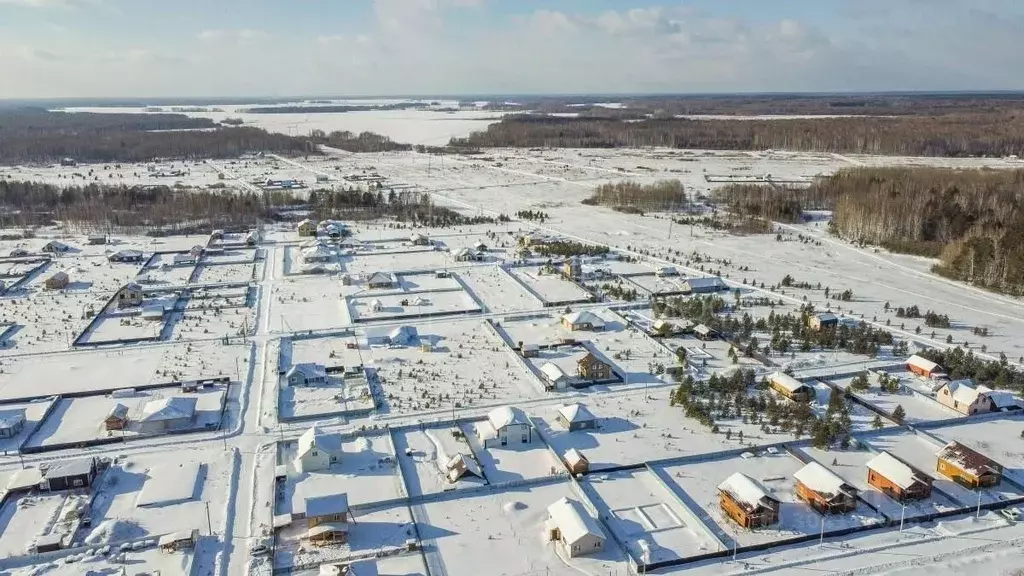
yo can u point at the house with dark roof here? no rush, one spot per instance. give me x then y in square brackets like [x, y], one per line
[968, 467]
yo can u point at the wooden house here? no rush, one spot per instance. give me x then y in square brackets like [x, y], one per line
[704, 332]
[130, 296]
[175, 541]
[822, 321]
[824, 490]
[590, 367]
[925, 368]
[117, 418]
[572, 268]
[58, 281]
[327, 519]
[790, 387]
[898, 480]
[576, 462]
[582, 320]
[576, 416]
[307, 228]
[968, 467]
[747, 502]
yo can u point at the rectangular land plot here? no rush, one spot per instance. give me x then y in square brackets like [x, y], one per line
[33, 413]
[464, 533]
[309, 303]
[365, 263]
[374, 530]
[917, 408]
[514, 462]
[920, 450]
[997, 437]
[550, 287]
[638, 506]
[698, 483]
[25, 518]
[423, 454]
[499, 291]
[369, 307]
[468, 365]
[367, 472]
[340, 395]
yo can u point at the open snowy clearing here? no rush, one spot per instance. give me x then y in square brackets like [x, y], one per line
[370, 307]
[313, 303]
[550, 287]
[498, 291]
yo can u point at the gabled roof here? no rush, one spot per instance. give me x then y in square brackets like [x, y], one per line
[506, 416]
[381, 277]
[308, 370]
[895, 471]
[169, 408]
[315, 438]
[65, 468]
[11, 418]
[826, 317]
[746, 491]
[968, 459]
[402, 334]
[576, 413]
[329, 505]
[709, 282]
[553, 372]
[786, 381]
[573, 457]
[963, 391]
[1001, 398]
[316, 251]
[822, 480]
[119, 411]
[460, 465]
[923, 363]
[583, 317]
[589, 358]
[573, 522]
[132, 286]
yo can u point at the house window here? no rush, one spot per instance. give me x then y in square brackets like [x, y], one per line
[77, 482]
[315, 453]
[504, 440]
[525, 437]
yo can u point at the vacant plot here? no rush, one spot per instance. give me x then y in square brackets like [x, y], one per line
[310, 303]
[369, 307]
[550, 287]
[499, 291]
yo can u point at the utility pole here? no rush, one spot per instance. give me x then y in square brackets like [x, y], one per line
[821, 540]
[209, 523]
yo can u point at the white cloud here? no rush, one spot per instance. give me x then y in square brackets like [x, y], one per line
[240, 35]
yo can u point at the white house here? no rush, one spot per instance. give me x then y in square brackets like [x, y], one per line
[504, 426]
[582, 320]
[12, 422]
[306, 374]
[573, 528]
[317, 451]
[317, 253]
[172, 412]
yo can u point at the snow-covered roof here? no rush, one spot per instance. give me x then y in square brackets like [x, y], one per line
[826, 317]
[169, 408]
[923, 363]
[963, 391]
[66, 468]
[583, 317]
[60, 276]
[786, 381]
[416, 236]
[119, 411]
[180, 536]
[573, 457]
[710, 282]
[462, 252]
[745, 490]
[132, 286]
[506, 416]
[306, 222]
[308, 370]
[552, 372]
[460, 464]
[11, 418]
[328, 505]
[316, 251]
[315, 438]
[363, 568]
[381, 277]
[402, 334]
[576, 413]
[169, 484]
[573, 522]
[968, 459]
[894, 470]
[822, 480]
[326, 528]
[1001, 398]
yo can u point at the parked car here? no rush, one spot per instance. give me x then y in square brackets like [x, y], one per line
[260, 550]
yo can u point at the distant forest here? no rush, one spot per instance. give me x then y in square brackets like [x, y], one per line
[971, 220]
[38, 136]
[328, 109]
[954, 135]
[632, 196]
[362, 142]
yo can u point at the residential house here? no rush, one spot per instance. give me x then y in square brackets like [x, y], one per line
[253, 238]
[573, 528]
[317, 451]
[666, 271]
[663, 327]
[169, 413]
[592, 368]
[50, 542]
[925, 368]
[554, 377]
[332, 230]
[417, 239]
[822, 321]
[217, 235]
[306, 374]
[12, 422]
[522, 253]
[97, 239]
[747, 502]
[175, 541]
[126, 256]
[824, 490]
[708, 285]
[69, 474]
[464, 255]
[573, 268]
[317, 253]
[968, 467]
[117, 418]
[575, 417]
[505, 425]
[380, 280]
[307, 228]
[57, 281]
[582, 320]
[462, 465]
[964, 397]
[480, 247]
[576, 462]
[790, 387]
[130, 296]
[327, 519]
[529, 350]
[704, 332]
[897, 480]
[183, 259]
[18, 253]
[55, 247]
[153, 313]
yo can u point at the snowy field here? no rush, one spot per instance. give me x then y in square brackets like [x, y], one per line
[498, 290]
[699, 482]
[370, 307]
[639, 507]
[470, 532]
[346, 394]
[313, 303]
[550, 287]
[25, 518]
[414, 258]
[468, 365]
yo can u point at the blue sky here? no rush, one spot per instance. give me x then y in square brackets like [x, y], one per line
[138, 48]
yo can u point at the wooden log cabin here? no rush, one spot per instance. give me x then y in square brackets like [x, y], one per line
[824, 490]
[747, 502]
[898, 480]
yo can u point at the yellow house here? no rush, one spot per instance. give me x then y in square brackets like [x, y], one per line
[968, 467]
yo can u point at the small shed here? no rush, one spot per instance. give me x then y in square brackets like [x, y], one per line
[704, 332]
[417, 239]
[49, 542]
[307, 228]
[583, 320]
[925, 367]
[380, 280]
[117, 418]
[576, 462]
[154, 313]
[666, 271]
[462, 465]
[575, 417]
[708, 285]
[529, 350]
[97, 239]
[554, 377]
[12, 422]
[57, 281]
[175, 541]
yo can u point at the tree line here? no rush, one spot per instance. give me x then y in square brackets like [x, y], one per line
[955, 135]
[362, 142]
[660, 195]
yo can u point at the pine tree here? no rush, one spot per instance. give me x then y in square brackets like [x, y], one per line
[899, 414]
